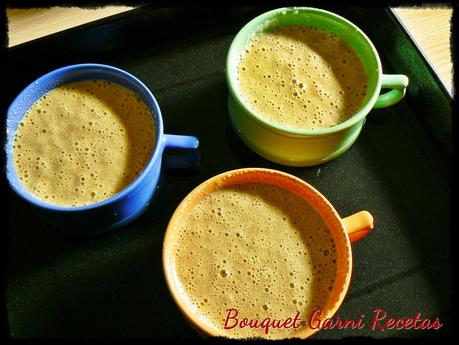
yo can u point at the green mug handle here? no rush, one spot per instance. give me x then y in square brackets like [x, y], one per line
[398, 84]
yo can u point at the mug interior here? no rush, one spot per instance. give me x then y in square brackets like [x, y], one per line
[321, 19]
[54, 79]
[263, 176]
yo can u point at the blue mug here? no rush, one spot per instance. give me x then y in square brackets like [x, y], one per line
[121, 208]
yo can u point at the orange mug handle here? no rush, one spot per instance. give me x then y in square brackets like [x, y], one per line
[358, 225]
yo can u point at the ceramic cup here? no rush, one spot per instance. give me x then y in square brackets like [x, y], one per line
[344, 232]
[295, 147]
[122, 207]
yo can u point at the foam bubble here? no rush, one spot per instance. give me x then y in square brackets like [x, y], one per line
[295, 58]
[286, 240]
[68, 136]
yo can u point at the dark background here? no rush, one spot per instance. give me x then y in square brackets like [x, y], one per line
[113, 285]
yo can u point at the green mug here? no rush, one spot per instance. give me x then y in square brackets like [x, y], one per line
[295, 147]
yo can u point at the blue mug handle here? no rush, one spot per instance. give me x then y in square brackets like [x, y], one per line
[183, 161]
[172, 141]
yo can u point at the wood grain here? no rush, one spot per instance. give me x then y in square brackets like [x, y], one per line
[28, 24]
[430, 27]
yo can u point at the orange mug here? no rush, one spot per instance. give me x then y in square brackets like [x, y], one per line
[343, 230]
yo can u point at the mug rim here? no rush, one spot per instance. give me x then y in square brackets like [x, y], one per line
[169, 270]
[156, 118]
[262, 20]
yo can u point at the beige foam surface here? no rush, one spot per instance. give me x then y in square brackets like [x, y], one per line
[83, 142]
[302, 77]
[259, 249]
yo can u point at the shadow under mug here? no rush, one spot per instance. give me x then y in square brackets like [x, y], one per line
[121, 208]
[294, 147]
[343, 230]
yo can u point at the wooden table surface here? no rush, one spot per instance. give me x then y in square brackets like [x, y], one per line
[429, 26]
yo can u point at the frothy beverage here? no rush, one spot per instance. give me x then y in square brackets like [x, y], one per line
[83, 142]
[256, 248]
[302, 77]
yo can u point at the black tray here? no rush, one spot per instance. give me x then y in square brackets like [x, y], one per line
[113, 285]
